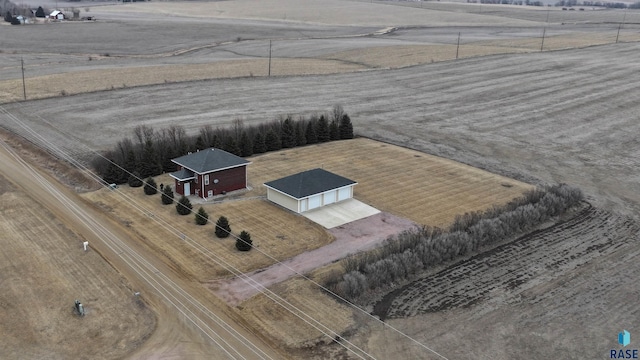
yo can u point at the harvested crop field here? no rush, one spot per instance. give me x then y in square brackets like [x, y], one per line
[558, 115]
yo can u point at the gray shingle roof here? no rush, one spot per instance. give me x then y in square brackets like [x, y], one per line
[308, 183]
[182, 174]
[208, 160]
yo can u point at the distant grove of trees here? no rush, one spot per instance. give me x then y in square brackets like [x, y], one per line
[412, 251]
[149, 153]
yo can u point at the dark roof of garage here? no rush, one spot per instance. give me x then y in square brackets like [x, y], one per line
[309, 183]
[209, 160]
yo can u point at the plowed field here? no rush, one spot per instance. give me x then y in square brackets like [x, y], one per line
[503, 274]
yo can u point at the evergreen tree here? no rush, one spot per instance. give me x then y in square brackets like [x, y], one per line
[246, 145]
[202, 217]
[346, 128]
[135, 180]
[215, 141]
[231, 146]
[288, 134]
[150, 187]
[150, 164]
[40, 12]
[200, 145]
[8, 17]
[183, 207]
[114, 174]
[130, 163]
[322, 129]
[334, 133]
[167, 195]
[167, 164]
[223, 229]
[243, 243]
[310, 134]
[259, 145]
[272, 141]
[301, 139]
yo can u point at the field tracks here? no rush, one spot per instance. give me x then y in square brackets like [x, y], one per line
[502, 274]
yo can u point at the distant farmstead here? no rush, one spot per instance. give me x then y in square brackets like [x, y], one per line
[309, 190]
[209, 172]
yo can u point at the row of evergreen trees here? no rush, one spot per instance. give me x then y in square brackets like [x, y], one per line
[184, 207]
[150, 152]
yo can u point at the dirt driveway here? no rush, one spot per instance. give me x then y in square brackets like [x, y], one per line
[356, 236]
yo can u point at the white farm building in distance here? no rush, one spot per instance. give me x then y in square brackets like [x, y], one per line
[309, 190]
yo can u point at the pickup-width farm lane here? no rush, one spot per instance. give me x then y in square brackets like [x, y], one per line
[191, 321]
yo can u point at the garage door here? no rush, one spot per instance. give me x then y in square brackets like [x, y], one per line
[330, 197]
[315, 202]
[344, 193]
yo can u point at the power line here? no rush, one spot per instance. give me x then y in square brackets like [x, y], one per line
[280, 301]
[262, 289]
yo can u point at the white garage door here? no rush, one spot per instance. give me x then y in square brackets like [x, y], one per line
[315, 202]
[330, 197]
[344, 193]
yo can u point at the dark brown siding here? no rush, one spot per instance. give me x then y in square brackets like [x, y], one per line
[228, 180]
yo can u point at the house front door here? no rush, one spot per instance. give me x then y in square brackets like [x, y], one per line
[187, 189]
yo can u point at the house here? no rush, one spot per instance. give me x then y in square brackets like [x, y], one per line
[209, 172]
[309, 190]
[56, 15]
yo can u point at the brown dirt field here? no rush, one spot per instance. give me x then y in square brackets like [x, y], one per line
[44, 269]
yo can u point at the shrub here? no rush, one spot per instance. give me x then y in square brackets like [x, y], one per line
[167, 195]
[183, 207]
[222, 227]
[135, 180]
[202, 217]
[150, 187]
[243, 243]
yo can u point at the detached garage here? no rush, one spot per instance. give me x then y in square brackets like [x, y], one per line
[309, 190]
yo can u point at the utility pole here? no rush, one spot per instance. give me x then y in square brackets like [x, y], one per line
[269, 72]
[458, 46]
[542, 44]
[620, 25]
[24, 87]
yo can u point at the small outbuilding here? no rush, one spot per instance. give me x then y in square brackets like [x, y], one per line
[209, 172]
[56, 15]
[309, 190]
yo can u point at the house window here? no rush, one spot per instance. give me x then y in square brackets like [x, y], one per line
[206, 179]
[210, 194]
[196, 179]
